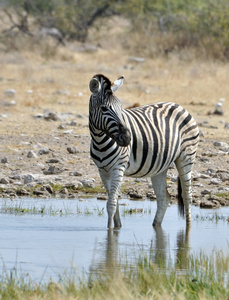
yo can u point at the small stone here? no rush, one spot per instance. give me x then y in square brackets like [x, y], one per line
[206, 192]
[39, 193]
[209, 204]
[4, 116]
[73, 123]
[76, 173]
[80, 116]
[10, 93]
[61, 127]
[15, 177]
[88, 183]
[28, 178]
[223, 176]
[72, 150]
[43, 151]
[47, 188]
[216, 181]
[53, 170]
[136, 194]
[102, 197]
[22, 192]
[51, 116]
[174, 179]
[31, 154]
[218, 109]
[64, 191]
[221, 144]
[226, 125]
[4, 160]
[4, 181]
[205, 176]
[151, 196]
[38, 116]
[53, 161]
[68, 131]
[9, 103]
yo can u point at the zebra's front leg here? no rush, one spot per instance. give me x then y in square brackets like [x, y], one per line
[117, 219]
[112, 182]
[163, 198]
[113, 208]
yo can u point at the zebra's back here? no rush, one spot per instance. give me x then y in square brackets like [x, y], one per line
[160, 133]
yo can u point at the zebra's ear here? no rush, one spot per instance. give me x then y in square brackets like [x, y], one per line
[94, 85]
[117, 84]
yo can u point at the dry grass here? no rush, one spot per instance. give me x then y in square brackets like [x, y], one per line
[197, 85]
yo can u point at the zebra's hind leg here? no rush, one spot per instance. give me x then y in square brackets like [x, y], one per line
[184, 167]
[163, 198]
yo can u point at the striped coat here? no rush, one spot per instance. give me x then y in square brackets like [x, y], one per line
[141, 142]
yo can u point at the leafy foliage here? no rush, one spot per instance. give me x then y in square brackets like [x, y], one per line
[164, 25]
[72, 18]
[180, 24]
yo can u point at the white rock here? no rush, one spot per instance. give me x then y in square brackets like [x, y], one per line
[10, 93]
[43, 151]
[68, 131]
[28, 178]
[220, 144]
[31, 154]
[216, 181]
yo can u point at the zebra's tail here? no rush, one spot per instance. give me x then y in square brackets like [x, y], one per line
[180, 200]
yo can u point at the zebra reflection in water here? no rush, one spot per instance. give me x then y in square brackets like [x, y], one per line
[141, 142]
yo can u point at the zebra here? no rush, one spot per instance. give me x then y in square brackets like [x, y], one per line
[140, 142]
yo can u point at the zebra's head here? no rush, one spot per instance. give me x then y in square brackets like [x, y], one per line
[105, 109]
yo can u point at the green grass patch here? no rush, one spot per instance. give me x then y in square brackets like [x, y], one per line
[20, 208]
[133, 211]
[206, 277]
[224, 195]
[93, 190]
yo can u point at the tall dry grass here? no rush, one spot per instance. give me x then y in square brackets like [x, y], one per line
[206, 278]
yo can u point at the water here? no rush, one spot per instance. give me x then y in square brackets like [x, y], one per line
[58, 236]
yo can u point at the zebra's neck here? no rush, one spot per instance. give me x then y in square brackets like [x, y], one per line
[100, 138]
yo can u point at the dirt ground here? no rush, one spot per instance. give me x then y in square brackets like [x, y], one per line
[60, 85]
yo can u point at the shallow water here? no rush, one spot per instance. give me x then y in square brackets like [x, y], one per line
[71, 236]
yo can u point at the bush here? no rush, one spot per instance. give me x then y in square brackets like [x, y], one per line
[158, 27]
[176, 25]
[72, 18]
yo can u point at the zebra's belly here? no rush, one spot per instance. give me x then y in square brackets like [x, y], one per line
[149, 169]
[144, 173]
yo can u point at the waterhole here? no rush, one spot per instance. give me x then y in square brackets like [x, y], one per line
[48, 237]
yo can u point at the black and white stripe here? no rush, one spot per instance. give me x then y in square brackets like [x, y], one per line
[140, 142]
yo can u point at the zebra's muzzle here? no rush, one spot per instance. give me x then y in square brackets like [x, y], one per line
[123, 137]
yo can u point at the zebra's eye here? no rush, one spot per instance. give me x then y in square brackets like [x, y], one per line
[104, 108]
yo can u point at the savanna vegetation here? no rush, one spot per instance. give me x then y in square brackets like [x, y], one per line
[155, 27]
